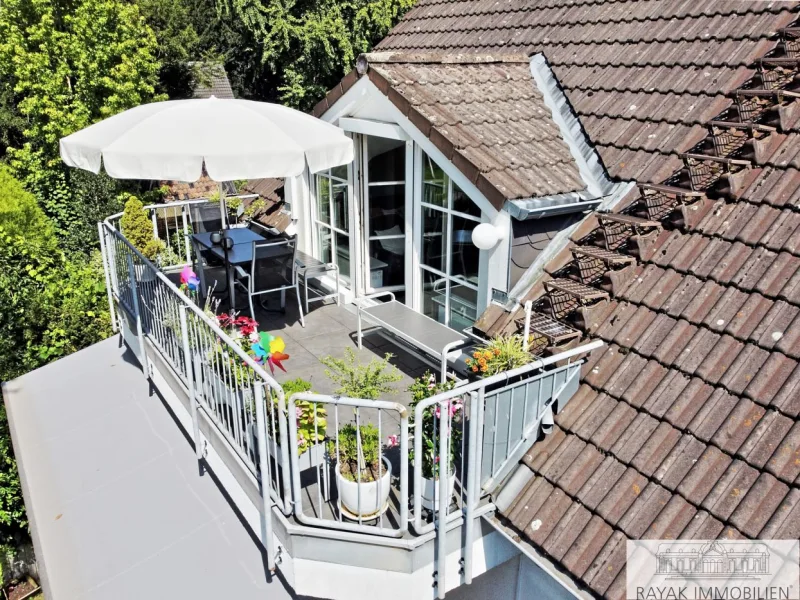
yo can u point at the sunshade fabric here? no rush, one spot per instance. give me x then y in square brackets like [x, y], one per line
[235, 139]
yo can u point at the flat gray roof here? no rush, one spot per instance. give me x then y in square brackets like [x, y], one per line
[117, 506]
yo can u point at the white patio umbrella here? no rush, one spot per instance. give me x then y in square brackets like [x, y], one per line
[233, 139]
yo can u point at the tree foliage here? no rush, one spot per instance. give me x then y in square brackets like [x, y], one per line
[309, 46]
[70, 63]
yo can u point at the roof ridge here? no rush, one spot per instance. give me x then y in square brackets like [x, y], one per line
[451, 58]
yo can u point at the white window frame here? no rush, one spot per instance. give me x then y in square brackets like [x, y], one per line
[417, 302]
[347, 279]
[407, 235]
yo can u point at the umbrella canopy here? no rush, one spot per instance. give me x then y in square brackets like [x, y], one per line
[234, 139]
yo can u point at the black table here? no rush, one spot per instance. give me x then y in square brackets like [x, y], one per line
[240, 254]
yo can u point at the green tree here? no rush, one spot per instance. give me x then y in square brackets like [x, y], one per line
[178, 45]
[71, 63]
[308, 46]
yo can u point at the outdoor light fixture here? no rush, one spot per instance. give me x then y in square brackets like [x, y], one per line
[485, 236]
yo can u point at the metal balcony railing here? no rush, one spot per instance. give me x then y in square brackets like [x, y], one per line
[475, 433]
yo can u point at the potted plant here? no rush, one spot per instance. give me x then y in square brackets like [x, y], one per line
[138, 229]
[363, 481]
[424, 387]
[358, 472]
[310, 436]
[500, 354]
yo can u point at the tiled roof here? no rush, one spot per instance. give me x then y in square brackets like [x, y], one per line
[213, 82]
[484, 113]
[642, 75]
[687, 424]
[274, 213]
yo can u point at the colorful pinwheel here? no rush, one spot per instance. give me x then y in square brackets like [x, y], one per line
[269, 350]
[189, 279]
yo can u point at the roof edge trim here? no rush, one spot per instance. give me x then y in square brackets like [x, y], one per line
[586, 157]
[548, 206]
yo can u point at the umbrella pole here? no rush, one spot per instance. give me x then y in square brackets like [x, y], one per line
[222, 207]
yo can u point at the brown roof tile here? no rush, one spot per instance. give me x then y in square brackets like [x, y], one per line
[730, 489]
[758, 505]
[687, 423]
[488, 116]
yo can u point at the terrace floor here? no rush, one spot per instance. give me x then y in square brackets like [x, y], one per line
[329, 331]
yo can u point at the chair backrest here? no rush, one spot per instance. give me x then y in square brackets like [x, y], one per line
[205, 217]
[274, 265]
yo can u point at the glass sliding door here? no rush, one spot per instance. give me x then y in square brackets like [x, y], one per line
[449, 261]
[384, 206]
[332, 219]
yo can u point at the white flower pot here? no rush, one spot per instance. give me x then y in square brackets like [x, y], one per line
[430, 492]
[374, 494]
[143, 273]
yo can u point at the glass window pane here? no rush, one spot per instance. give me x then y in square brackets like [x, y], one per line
[434, 188]
[434, 291]
[387, 262]
[340, 172]
[463, 306]
[323, 199]
[340, 207]
[465, 255]
[386, 159]
[343, 255]
[324, 243]
[434, 238]
[462, 203]
[387, 209]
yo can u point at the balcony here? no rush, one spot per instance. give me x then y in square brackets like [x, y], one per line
[278, 455]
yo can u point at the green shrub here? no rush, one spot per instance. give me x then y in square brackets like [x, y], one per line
[361, 381]
[307, 433]
[137, 227]
[51, 307]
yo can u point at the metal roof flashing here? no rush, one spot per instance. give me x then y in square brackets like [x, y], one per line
[598, 184]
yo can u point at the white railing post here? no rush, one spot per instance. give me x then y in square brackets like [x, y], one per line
[526, 330]
[191, 366]
[444, 497]
[107, 273]
[285, 457]
[138, 314]
[473, 470]
[266, 478]
[186, 245]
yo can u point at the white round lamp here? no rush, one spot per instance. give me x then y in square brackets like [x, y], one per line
[485, 236]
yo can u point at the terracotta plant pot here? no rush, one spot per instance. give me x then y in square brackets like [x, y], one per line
[374, 494]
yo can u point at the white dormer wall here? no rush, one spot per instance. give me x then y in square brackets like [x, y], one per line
[364, 109]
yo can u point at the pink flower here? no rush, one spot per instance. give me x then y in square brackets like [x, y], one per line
[454, 408]
[438, 411]
[431, 381]
[298, 412]
[392, 441]
[436, 460]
